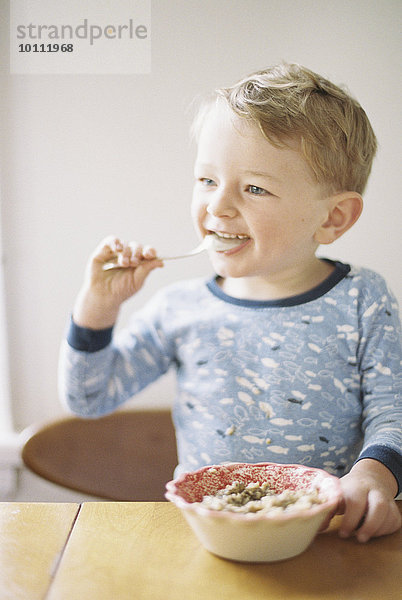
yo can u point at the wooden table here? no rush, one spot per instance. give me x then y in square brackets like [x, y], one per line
[146, 551]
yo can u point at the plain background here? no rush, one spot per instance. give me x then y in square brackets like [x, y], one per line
[84, 156]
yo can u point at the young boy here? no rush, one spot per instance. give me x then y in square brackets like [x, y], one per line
[282, 356]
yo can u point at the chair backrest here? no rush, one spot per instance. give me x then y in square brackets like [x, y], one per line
[127, 456]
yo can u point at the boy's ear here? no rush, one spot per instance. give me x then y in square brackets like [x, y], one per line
[344, 210]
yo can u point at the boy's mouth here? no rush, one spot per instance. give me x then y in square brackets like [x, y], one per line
[221, 242]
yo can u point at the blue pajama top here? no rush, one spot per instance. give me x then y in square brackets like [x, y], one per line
[314, 379]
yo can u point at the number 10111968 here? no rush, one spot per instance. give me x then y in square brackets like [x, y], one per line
[45, 48]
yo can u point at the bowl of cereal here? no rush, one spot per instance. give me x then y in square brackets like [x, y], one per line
[259, 512]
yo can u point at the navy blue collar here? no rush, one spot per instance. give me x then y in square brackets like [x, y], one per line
[340, 271]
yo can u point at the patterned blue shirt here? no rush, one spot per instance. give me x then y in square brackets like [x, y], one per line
[314, 379]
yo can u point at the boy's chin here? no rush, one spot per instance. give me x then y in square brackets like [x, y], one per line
[228, 273]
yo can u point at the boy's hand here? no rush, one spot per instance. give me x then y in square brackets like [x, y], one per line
[369, 508]
[104, 291]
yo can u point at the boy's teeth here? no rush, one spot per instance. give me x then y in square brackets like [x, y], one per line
[231, 236]
[221, 242]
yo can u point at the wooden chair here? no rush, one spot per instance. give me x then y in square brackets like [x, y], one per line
[126, 456]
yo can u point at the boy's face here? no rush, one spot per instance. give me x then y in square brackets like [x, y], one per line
[246, 186]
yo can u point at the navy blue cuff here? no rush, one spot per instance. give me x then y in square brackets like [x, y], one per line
[388, 457]
[88, 340]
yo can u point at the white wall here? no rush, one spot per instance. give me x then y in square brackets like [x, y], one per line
[84, 156]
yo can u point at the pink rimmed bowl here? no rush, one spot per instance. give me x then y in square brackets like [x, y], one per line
[254, 537]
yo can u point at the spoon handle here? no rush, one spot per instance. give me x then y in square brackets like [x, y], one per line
[200, 248]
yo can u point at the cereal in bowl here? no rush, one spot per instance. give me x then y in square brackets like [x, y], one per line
[255, 497]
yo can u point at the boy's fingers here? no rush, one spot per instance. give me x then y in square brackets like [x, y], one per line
[340, 509]
[107, 249]
[382, 518]
[393, 520]
[373, 519]
[326, 522]
[143, 270]
[126, 255]
[355, 510]
[135, 248]
[140, 253]
[149, 252]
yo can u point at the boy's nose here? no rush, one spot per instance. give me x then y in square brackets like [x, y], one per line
[221, 205]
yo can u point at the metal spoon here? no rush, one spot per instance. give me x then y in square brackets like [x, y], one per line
[210, 242]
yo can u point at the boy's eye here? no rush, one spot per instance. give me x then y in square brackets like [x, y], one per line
[206, 181]
[257, 191]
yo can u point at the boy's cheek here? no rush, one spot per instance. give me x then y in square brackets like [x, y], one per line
[198, 213]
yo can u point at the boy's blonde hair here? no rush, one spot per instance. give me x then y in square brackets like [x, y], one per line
[289, 101]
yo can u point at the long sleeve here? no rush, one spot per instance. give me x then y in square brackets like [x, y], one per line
[98, 372]
[381, 379]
